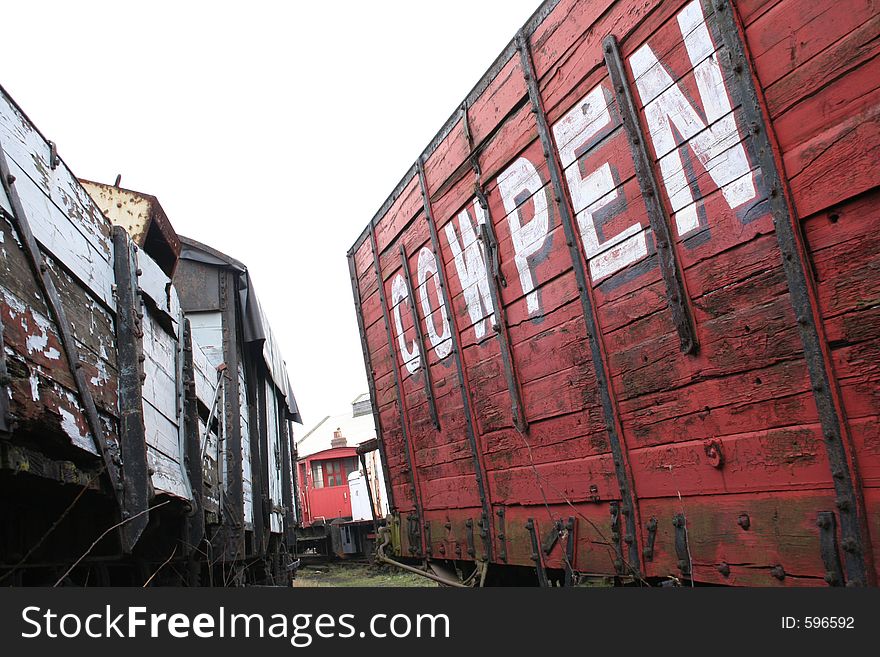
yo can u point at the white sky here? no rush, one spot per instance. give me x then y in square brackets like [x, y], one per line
[271, 131]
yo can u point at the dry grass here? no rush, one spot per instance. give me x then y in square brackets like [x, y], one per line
[358, 574]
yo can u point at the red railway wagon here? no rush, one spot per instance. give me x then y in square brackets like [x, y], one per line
[621, 318]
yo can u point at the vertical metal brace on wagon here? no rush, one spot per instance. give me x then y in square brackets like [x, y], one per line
[394, 369]
[838, 441]
[536, 553]
[107, 450]
[648, 551]
[456, 348]
[496, 280]
[420, 337]
[234, 488]
[827, 523]
[614, 510]
[192, 453]
[471, 549]
[371, 374]
[679, 522]
[501, 535]
[563, 203]
[670, 269]
[132, 434]
[569, 551]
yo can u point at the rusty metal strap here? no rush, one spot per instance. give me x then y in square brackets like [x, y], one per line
[838, 442]
[489, 244]
[129, 334]
[368, 364]
[670, 269]
[456, 353]
[503, 333]
[65, 332]
[394, 369]
[612, 421]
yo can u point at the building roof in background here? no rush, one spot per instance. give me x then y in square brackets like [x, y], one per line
[355, 430]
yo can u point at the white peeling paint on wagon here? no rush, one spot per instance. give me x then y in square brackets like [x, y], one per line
[715, 141]
[470, 265]
[63, 217]
[245, 425]
[273, 454]
[163, 414]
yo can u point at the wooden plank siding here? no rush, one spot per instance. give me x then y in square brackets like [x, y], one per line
[731, 430]
[76, 247]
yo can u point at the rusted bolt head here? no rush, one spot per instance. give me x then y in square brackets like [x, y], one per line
[682, 565]
[850, 544]
[628, 539]
[724, 569]
[831, 578]
[842, 503]
[647, 552]
[778, 572]
[823, 522]
[618, 564]
[744, 521]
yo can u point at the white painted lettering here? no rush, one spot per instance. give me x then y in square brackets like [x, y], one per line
[409, 354]
[716, 145]
[428, 267]
[520, 178]
[590, 193]
[470, 264]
